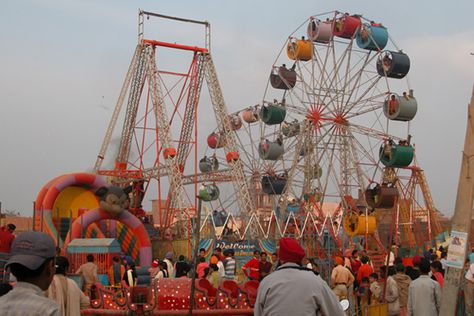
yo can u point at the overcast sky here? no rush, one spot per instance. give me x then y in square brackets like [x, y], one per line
[63, 62]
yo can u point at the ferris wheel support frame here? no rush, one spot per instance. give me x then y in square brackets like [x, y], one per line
[245, 199]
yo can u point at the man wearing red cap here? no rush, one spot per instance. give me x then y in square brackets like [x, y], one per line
[154, 269]
[294, 290]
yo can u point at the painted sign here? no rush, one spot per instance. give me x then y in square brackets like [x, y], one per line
[457, 249]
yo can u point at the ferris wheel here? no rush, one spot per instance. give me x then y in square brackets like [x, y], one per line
[333, 127]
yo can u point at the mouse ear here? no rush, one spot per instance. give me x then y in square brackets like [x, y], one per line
[128, 189]
[101, 192]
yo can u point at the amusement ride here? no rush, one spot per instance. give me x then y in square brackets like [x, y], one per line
[326, 156]
[328, 150]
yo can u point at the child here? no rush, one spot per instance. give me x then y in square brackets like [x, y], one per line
[213, 276]
[202, 265]
[363, 293]
[375, 288]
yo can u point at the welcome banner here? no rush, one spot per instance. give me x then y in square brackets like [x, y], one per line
[243, 249]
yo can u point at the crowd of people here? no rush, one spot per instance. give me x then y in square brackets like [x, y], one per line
[220, 266]
[42, 285]
[412, 289]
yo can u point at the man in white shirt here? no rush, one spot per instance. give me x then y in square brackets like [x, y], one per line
[424, 294]
[169, 263]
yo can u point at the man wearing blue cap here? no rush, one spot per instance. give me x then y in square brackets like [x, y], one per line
[32, 263]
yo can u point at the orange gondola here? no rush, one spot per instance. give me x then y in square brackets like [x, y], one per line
[169, 153]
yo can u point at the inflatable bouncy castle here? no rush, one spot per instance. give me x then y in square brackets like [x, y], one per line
[67, 207]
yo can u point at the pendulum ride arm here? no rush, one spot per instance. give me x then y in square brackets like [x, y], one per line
[118, 108]
[192, 104]
[136, 88]
[241, 186]
[164, 134]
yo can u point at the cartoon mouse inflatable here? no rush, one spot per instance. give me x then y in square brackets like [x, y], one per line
[113, 199]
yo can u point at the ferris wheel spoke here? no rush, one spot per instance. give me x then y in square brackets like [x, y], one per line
[362, 96]
[354, 83]
[361, 176]
[367, 100]
[323, 85]
[346, 80]
[339, 184]
[306, 94]
[354, 128]
[337, 65]
[369, 158]
[290, 172]
[330, 152]
[249, 151]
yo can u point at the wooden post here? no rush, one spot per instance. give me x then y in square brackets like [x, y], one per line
[58, 226]
[41, 219]
[82, 223]
[34, 215]
[197, 227]
[70, 226]
[461, 220]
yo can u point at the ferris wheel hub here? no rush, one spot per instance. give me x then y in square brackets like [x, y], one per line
[340, 119]
[315, 116]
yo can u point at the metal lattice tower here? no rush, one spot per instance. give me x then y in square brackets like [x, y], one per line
[194, 93]
[247, 205]
[136, 88]
[118, 107]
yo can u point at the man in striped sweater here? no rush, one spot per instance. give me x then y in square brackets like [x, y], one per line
[229, 264]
